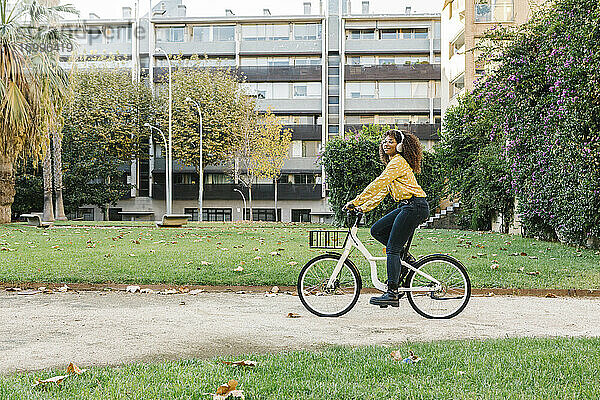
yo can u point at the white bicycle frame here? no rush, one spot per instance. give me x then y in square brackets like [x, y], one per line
[354, 241]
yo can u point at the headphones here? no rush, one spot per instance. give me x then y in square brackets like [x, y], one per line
[399, 145]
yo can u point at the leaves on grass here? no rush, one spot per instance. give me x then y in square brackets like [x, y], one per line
[495, 266]
[411, 359]
[227, 390]
[292, 263]
[533, 273]
[72, 369]
[239, 269]
[275, 253]
[241, 363]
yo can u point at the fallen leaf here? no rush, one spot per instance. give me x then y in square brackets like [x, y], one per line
[74, 369]
[63, 289]
[275, 289]
[239, 269]
[292, 263]
[495, 266]
[533, 257]
[274, 253]
[13, 289]
[293, 315]
[523, 254]
[242, 363]
[490, 294]
[146, 290]
[132, 289]
[551, 295]
[204, 263]
[28, 292]
[169, 291]
[533, 273]
[258, 258]
[196, 291]
[227, 387]
[55, 379]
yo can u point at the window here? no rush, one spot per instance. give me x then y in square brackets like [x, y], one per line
[307, 31]
[307, 61]
[304, 179]
[388, 34]
[334, 100]
[193, 212]
[119, 34]
[185, 179]
[307, 90]
[201, 33]
[216, 214]
[413, 33]
[265, 32]
[333, 129]
[494, 10]
[223, 33]
[94, 36]
[301, 215]
[296, 147]
[358, 90]
[457, 86]
[217, 179]
[278, 61]
[264, 214]
[171, 35]
[418, 89]
[360, 34]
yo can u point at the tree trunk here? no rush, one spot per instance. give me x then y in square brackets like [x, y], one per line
[47, 174]
[7, 188]
[250, 198]
[275, 183]
[58, 183]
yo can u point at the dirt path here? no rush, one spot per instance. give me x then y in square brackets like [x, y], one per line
[108, 328]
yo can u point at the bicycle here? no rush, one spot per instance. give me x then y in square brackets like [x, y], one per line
[437, 285]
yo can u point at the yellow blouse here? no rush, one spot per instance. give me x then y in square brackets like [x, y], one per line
[397, 179]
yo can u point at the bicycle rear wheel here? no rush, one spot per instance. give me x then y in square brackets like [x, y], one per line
[326, 301]
[439, 301]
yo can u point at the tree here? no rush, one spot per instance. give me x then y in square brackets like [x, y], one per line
[271, 149]
[104, 130]
[225, 109]
[32, 88]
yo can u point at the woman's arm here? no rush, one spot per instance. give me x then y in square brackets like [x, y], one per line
[378, 189]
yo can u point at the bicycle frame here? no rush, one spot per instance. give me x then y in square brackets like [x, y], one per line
[354, 241]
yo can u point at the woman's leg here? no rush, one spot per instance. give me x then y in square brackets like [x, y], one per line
[381, 229]
[405, 223]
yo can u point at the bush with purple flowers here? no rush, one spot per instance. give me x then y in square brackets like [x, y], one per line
[531, 128]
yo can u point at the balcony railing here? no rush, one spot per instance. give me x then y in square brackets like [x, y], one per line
[285, 191]
[393, 72]
[279, 73]
[305, 132]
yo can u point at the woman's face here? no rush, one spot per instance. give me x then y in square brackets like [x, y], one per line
[389, 145]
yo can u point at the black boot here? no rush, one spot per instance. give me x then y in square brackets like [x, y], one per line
[389, 298]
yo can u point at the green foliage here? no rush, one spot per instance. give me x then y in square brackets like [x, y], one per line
[226, 112]
[541, 106]
[29, 187]
[103, 131]
[469, 158]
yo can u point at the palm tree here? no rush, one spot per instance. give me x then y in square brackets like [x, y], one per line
[33, 88]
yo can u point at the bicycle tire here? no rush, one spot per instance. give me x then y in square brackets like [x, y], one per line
[317, 303]
[452, 286]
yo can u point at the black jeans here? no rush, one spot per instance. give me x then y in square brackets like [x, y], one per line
[394, 229]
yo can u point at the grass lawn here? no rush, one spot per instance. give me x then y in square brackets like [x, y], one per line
[209, 254]
[494, 369]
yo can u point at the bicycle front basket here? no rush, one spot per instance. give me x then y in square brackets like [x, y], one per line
[328, 239]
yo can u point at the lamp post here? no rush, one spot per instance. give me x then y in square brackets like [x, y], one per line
[170, 149]
[201, 183]
[243, 198]
[167, 175]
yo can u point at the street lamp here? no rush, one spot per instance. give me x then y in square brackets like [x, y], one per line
[201, 190]
[170, 149]
[168, 174]
[243, 198]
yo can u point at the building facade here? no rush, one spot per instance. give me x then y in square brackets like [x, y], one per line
[322, 73]
[464, 22]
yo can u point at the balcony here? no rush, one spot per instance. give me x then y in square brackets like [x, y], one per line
[422, 131]
[375, 46]
[390, 105]
[283, 73]
[291, 106]
[305, 132]
[280, 47]
[190, 48]
[417, 72]
[285, 191]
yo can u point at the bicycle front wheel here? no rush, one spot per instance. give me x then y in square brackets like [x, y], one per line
[442, 300]
[322, 299]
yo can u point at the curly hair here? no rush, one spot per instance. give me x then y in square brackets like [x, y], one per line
[412, 151]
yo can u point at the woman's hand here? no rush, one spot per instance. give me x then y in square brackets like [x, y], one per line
[351, 206]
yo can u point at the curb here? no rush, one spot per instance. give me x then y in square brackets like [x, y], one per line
[83, 287]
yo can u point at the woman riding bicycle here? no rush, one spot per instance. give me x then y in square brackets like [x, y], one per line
[402, 154]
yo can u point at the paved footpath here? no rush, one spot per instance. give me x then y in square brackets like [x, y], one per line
[109, 328]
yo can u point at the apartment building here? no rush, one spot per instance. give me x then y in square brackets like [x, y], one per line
[323, 72]
[464, 23]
